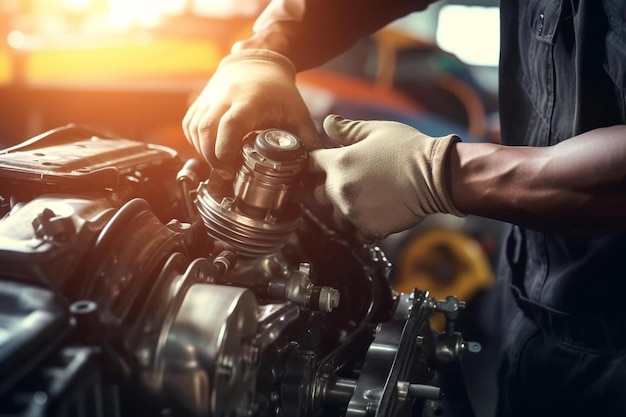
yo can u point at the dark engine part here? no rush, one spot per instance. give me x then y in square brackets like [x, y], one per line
[130, 286]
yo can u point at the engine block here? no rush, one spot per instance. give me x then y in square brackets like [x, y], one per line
[135, 283]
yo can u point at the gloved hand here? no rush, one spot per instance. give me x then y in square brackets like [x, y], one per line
[252, 89]
[386, 178]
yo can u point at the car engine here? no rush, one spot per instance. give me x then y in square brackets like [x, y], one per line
[135, 283]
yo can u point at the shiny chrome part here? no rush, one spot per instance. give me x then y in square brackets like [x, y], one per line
[258, 217]
[225, 261]
[328, 299]
[449, 347]
[269, 171]
[406, 390]
[205, 349]
[284, 284]
[297, 287]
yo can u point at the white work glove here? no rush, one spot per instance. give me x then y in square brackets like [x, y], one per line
[386, 178]
[252, 89]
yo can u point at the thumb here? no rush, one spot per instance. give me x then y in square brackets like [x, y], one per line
[344, 131]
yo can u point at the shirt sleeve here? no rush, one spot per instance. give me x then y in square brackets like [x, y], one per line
[311, 32]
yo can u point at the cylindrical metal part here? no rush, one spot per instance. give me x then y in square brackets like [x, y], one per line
[259, 216]
[85, 313]
[328, 299]
[424, 392]
[270, 169]
[337, 391]
[225, 261]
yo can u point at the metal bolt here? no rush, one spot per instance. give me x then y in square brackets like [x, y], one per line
[305, 268]
[419, 341]
[472, 347]
[274, 396]
[225, 261]
[329, 299]
[251, 354]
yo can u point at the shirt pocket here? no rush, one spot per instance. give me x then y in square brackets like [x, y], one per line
[537, 34]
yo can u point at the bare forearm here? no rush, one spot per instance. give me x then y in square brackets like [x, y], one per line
[311, 32]
[578, 185]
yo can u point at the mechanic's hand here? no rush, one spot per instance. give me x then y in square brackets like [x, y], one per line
[386, 178]
[252, 89]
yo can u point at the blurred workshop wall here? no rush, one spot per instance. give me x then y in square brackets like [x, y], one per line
[125, 66]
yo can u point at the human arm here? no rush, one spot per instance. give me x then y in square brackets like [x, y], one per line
[576, 186]
[310, 33]
[385, 178]
[254, 87]
[390, 176]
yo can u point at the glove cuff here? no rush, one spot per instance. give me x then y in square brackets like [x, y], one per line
[266, 55]
[440, 171]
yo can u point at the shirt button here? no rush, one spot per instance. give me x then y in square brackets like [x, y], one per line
[540, 24]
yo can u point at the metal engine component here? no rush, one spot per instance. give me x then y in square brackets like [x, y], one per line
[191, 342]
[113, 304]
[257, 218]
[297, 287]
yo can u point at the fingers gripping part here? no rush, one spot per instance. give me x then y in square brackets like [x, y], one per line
[386, 178]
[231, 125]
[207, 138]
[235, 101]
[343, 131]
[321, 202]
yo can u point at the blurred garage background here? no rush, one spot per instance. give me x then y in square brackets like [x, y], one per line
[136, 64]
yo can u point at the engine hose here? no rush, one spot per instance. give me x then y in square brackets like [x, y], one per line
[120, 220]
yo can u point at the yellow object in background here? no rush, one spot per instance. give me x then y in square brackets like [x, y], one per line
[444, 262]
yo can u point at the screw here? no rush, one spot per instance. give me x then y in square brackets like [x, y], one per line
[274, 396]
[419, 342]
[329, 299]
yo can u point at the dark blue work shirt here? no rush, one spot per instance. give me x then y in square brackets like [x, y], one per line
[563, 73]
